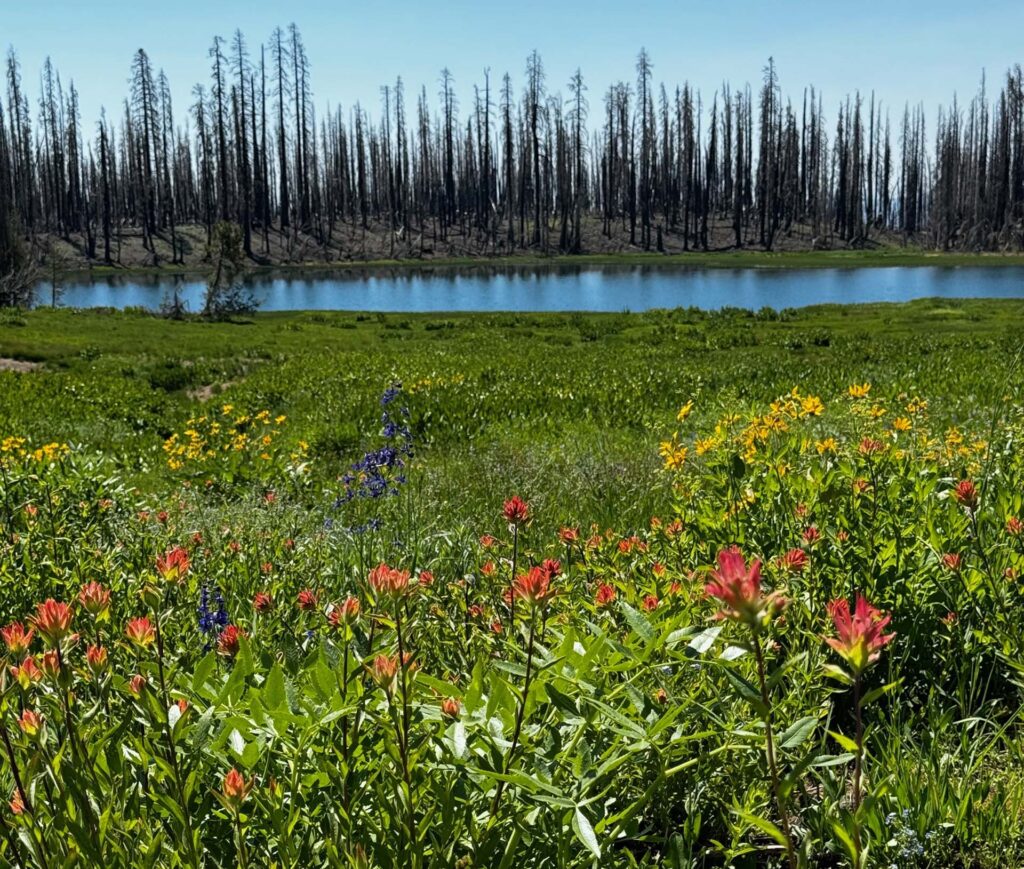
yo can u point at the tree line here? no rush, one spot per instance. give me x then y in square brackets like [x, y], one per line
[522, 167]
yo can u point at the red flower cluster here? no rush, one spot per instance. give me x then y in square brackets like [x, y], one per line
[516, 511]
[389, 581]
[739, 588]
[173, 565]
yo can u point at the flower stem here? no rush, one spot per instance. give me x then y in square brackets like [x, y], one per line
[773, 769]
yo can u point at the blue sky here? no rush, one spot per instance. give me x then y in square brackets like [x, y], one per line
[903, 49]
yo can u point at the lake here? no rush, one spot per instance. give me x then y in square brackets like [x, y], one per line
[565, 288]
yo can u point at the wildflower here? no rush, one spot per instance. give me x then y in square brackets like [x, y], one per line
[568, 535]
[17, 803]
[262, 602]
[870, 446]
[173, 565]
[53, 620]
[307, 600]
[384, 669]
[739, 588]
[211, 621]
[1014, 527]
[794, 561]
[487, 541]
[860, 638]
[658, 569]
[966, 494]
[811, 535]
[235, 789]
[475, 611]
[345, 613]
[952, 561]
[162, 517]
[96, 658]
[389, 581]
[141, 632]
[95, 599]
[425, 579]
[950, 619]
[137, 684]
[51, 663]
[30, 723]
[266, 568]
[27, 673]
[811, 406]
[552, 567]
[902, 423]
[496, 627]
[604, 595]
[532, 587]
[828, 445]
[451, 707]
[16, 638]
[650, 602]
[488, 568]
[227, 642]
[859, 390]
[661, 696]
[516, 511]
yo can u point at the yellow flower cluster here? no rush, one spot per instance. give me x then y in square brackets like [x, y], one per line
[425, 384]
[206, 438]
[13, 447]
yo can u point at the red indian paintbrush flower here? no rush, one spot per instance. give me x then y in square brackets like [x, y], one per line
[50, 663]
[384, 669]
[1014, 527]
[345, 613]
[860, 638]
[650, 602]
[262, 602]
[227, 642]
[173, 565]
[235, 789]
[533, 586]
[53, 620]
[604, 595]
[952, 561]
[17, 803]
[137, 684]
[96, 658]
[94, 598]
[27, 673]
[739, 588]
[389, 581]
[141, 632]
[30, 723]
[966, 494]
[17, 638]
[794, 561]
[451, 706]
[516, 511]
[307, 599]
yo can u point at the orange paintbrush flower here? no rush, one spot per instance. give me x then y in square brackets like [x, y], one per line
[141, 632]
[389, 581]
[53, 620]
[516, 511]
[228, 641]
[30, 723]
[235, 789]
[16, 638]
[859, 634]
[95, 599]
[173, 565]
[534, 586]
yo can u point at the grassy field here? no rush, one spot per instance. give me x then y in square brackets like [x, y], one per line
[358, 650]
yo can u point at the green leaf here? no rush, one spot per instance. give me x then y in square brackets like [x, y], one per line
[203, 670]
[796, 734]
[844, 741]
[585, 832]
[638, 623]
[762, 824]
[704, 640]
[275, 695]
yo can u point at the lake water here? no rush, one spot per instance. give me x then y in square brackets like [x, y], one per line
[567, 288]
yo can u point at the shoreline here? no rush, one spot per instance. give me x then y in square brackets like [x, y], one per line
[844, 259]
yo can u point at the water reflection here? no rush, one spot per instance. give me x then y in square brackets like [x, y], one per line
[559, 288]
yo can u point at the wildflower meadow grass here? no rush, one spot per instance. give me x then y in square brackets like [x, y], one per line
[672, 589]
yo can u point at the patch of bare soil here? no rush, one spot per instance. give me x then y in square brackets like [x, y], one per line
[19, 365]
